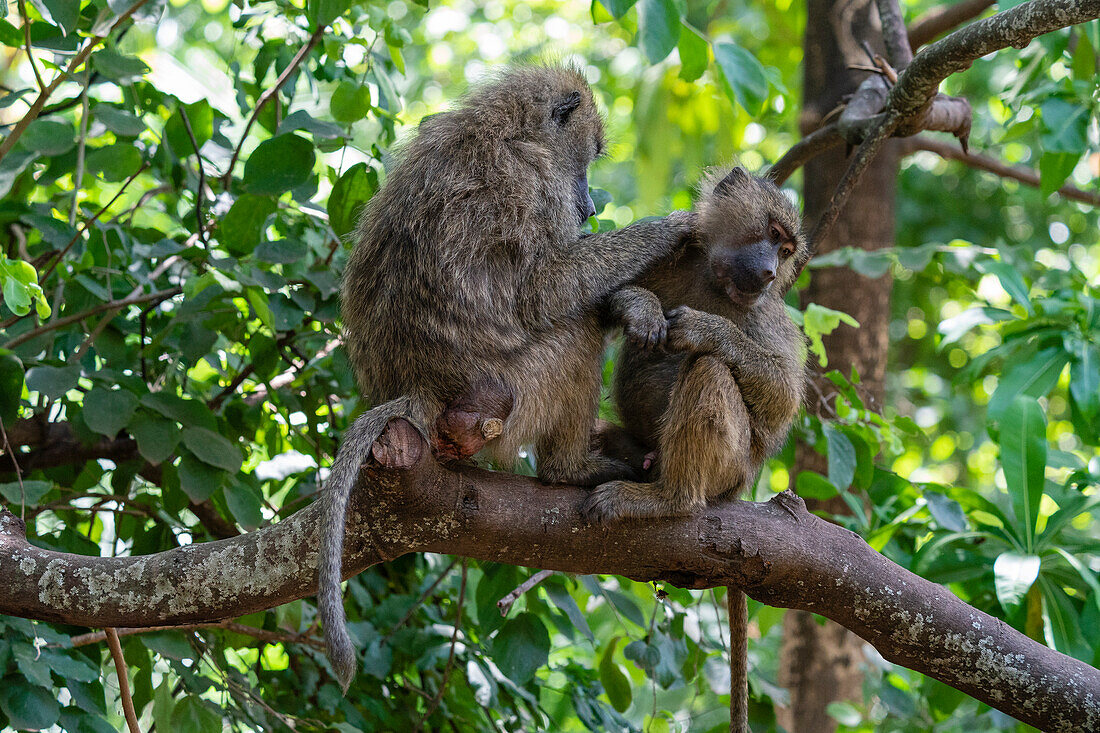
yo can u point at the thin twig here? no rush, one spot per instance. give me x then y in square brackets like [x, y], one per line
[809, 147]
[94, 310]
[27, 38]
[505, 603]
[123, 681]
[40, 102]
[81, 148]
[276, 637]
[267, 97]
[450, 657]
[1026, 176]
[199, 197]
[84, 228]
[18, 473]
[941, 19]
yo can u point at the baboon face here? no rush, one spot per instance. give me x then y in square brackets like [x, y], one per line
[576, 135]
[752, 236]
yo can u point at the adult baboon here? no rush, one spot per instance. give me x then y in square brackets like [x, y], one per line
[468, 267]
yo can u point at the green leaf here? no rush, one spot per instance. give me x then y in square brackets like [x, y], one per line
[1011, 280]
[243, 225]
[119, 121]
[618, 8]
[565, 603]
[1013, 576]
[1034, 377]
[114, 162]
[70, 666]
[614, 680]
[812, 485]
[349, 194]
[13, 164]
[282, 251]
[323, 12]
[1023, 440]
[521, 646]
[109, 411]
[279, 164]
[350, 102]
[745, 80]
[1084, 378]
[1054, 169]
[186, 411]
[658, 28]
[120, 68]
[199, 480]
[946, 511]
[842, 457]
[29, 492]
[49, 137]
[27, 707]
[53, 382]
[1065, 126]
[245, 504]
[302, 120]
[192, 714]
[156, 437]
[212, 448]
[201, 116]
[11, 386]
[694, 56]
[818, 321]
[64, 13]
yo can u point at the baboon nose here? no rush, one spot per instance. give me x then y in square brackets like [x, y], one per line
[766, 276]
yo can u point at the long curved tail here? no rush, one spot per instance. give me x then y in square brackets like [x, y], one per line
[353, 452]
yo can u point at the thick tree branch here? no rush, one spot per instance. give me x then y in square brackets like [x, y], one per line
[1026, 176]
[776, 551]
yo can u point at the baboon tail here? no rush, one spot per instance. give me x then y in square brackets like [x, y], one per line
[353, 452]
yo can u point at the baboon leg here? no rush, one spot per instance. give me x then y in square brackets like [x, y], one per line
[704, 450]
[564, 452]
[705, 435]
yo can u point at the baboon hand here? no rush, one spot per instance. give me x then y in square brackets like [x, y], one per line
[692, 331]
[645, 326]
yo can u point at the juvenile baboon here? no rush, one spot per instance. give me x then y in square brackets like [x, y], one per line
[467, 267]
[722, 403]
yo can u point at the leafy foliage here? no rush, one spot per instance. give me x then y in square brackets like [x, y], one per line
[173, 219]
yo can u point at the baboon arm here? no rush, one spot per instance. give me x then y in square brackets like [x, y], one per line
[580, 276]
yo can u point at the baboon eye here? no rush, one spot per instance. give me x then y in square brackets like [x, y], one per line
[786, 251]
[775, 232]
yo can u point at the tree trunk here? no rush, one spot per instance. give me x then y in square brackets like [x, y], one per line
[820, 662]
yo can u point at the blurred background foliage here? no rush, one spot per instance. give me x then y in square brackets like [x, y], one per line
[172, 233]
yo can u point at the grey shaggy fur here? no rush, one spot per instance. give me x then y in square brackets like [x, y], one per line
[468, 266]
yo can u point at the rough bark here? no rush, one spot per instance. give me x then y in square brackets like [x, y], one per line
[777, 551]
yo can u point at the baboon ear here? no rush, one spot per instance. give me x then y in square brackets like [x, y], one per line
[732, 180]
[565, 107]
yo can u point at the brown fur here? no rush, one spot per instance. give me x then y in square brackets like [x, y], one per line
[468, 267]
[722, 403]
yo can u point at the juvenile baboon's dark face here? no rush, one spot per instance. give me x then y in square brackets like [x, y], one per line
[753, 238]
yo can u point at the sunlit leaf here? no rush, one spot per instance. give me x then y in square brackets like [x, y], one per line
[1023, 442]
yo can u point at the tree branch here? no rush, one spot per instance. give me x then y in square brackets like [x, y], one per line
[809, 147]
[776, 551]
[1026, 176]
[941, 19]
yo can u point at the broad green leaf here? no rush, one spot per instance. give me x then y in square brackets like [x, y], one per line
[212, 448]
[11, 386]
[1054, 169]
[156, 437]
[842, 457]
[114, 163]
[69, 666]
[323, 12]
[818, 321]
[119, 121]
[1034, 377]
[54, 382]
[521, 646]
[302, 120]
[812, 485]
[186, 411]
[694, 54]
[193, 714]
[49, 136]
[1011, 280]
[29, 492]
[565, 603]
[65, 13]
[1084, 378]
[349, 194]
[27, 707]
[658, 28]
[163, 703]
[1065, 126]
[107, 411]
[744, 76]
[279, 164]
[350, 102]
[244, 503]
[1013, 575]
[201, 116]
[120, 68]
[199, 480]
[618, 8]
[614, 680]
[947, 512]
[242, 227]
[282, 251]
[1023, 440]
